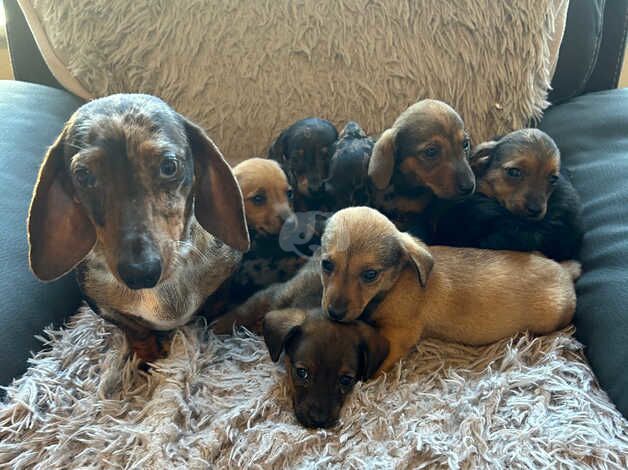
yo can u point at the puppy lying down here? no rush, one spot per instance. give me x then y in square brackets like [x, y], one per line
[372, 272]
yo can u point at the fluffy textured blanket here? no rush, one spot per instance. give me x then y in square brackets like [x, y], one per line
[246, 70]
[221, 403]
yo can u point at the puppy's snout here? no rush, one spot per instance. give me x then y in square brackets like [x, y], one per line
[139, 265]
[318, 417]
[337, 311]
[465, 183]
[534, 209]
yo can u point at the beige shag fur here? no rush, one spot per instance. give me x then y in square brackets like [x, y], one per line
[246, 70]
[219, 402]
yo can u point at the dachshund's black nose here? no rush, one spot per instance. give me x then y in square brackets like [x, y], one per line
[533, 210]
[336, 313]
[142, 275]
[465, 188]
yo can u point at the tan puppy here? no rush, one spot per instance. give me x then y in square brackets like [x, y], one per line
[371, 270]
[267, 195]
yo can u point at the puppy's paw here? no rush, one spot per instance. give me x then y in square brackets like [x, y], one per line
[151, 348]
[226, 323]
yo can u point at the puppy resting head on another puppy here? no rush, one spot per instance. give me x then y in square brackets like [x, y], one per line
[324, 360]
[427, 146]
[519, 170]
[267, 195]
[362, 256]
[304, 150]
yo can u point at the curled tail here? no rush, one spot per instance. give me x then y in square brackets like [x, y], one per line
[574, 268]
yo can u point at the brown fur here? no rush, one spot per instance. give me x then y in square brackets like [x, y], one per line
[530, 151]
[267, 195]
[464, 295]
[102, 200]
[324, 360]
[400, 159]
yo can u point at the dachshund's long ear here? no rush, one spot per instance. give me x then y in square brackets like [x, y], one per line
[419, 255]
[60, 233]
[279, 327]
[276, 150]
[481, 157]
[218, 203]
[373, 349]
[382, 162]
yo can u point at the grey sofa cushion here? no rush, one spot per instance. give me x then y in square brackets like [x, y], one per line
[592, 133]
[31, 116]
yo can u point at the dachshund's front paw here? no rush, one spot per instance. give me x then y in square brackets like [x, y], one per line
[225, 324]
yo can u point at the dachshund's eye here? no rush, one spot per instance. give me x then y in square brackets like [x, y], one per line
[346, 381]
[259, 199]
[84, 178]
[513, 172]
[289, 194]
[169, 167]
[327, 266]
[553, 179]
[369, 275]
[431, 152]
[301, 373]
[466, 145]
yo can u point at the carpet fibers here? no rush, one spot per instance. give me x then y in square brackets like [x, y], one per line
[219, 402]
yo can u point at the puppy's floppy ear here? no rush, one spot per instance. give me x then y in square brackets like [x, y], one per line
[280, 326]
[373, 349]
[481, 157]
[382, 162]
[275, 152]
[419, 255]
[218, 203]
[60, 233]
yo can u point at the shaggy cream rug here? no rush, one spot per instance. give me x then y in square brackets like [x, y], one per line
[220, 402]
[246, 70]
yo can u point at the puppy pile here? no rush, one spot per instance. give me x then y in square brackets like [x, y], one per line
[359, 247]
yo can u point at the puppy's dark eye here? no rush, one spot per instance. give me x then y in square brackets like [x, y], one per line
[327, 266]
[431, 152]
[346, 381]
[289, 194]
[553, 179]
[369, 275]
[259, 199]
[169, 166]
[466, 145]
[513, 172]
[83, 177]
[301, 373]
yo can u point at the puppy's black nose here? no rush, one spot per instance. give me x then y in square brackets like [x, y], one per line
[336, 313]
[533, 210]
[142, 275]
[465, 188]
[318, 418]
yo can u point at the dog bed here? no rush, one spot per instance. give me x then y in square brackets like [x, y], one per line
[220, 402]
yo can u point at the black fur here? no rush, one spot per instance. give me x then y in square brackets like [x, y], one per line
[481, 222]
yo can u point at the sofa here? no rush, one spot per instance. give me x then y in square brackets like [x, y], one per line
[588, 118]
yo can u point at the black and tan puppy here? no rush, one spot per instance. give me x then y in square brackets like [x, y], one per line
[324, 360]
[304, 150]
[424, 154]
[143, 203]
[523, 201]
[372, 271]
[347, 184]
[268, 205]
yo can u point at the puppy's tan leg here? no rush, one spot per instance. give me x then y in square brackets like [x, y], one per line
[401, 340]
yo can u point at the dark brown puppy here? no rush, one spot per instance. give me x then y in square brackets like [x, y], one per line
[304, 150]
[347, 183]
[423, 154]
[523, 202]
[130, 192]
[324, 360]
